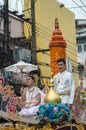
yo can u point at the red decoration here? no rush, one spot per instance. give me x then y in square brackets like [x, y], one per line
[1, 81]
[11, 106]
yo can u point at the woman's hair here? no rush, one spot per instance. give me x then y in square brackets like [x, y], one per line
[31, 76]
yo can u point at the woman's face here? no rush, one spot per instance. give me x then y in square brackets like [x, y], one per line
[29, 81]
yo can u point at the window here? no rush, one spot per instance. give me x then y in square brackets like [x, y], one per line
[79, 48]
[81, 41]
[82, 48]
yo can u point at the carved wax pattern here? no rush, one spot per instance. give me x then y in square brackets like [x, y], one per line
[55, 54]
[57, 47]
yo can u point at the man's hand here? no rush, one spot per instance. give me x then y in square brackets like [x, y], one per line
[70, 106]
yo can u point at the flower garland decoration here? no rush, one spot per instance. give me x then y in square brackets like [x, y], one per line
[53, 112]
[83, 95]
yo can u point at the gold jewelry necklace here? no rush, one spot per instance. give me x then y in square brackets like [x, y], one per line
[31, 91]
[58, 80]
[61, 76]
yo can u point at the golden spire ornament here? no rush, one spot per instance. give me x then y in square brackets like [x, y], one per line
[52, 96]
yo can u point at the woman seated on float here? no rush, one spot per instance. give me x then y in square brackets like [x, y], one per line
[32, 97]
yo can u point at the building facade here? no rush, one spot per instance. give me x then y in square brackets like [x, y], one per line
[45, 13]
[81, 47]
[19, 45]
[19, 49]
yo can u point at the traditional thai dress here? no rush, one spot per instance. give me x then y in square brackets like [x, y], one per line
[64, 86]
[30, 100]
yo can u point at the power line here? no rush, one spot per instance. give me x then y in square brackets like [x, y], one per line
[73, 4]
[43, 36]
[82, 3]
[76, 7]
[80, 7]
[69, 47]
[41, 33]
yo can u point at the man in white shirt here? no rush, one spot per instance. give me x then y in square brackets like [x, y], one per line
[64, 83]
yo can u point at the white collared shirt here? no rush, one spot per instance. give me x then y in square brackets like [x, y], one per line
[64, 84]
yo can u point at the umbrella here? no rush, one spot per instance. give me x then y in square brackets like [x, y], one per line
[20, 67]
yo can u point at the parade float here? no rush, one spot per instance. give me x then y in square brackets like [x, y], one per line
[52, 115]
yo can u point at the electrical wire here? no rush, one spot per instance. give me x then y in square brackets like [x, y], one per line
[78, 6]
[42, 33]
[82, 3]
[47, 36]
[71, 51]
[70, 47]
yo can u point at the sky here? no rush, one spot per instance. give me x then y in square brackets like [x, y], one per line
[14, 5]
[78, 7]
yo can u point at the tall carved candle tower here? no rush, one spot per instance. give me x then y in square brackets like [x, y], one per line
[57, 47]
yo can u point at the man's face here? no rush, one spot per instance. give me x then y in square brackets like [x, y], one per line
[61, 66]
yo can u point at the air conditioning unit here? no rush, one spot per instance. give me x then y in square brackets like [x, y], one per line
[21, 54]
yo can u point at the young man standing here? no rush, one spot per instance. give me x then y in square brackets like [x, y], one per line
[64, 83]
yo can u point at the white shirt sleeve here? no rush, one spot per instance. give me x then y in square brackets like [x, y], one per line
[72, 88]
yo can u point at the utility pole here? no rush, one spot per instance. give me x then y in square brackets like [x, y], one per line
[34, 59]
[6, 12]
[6, 34]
